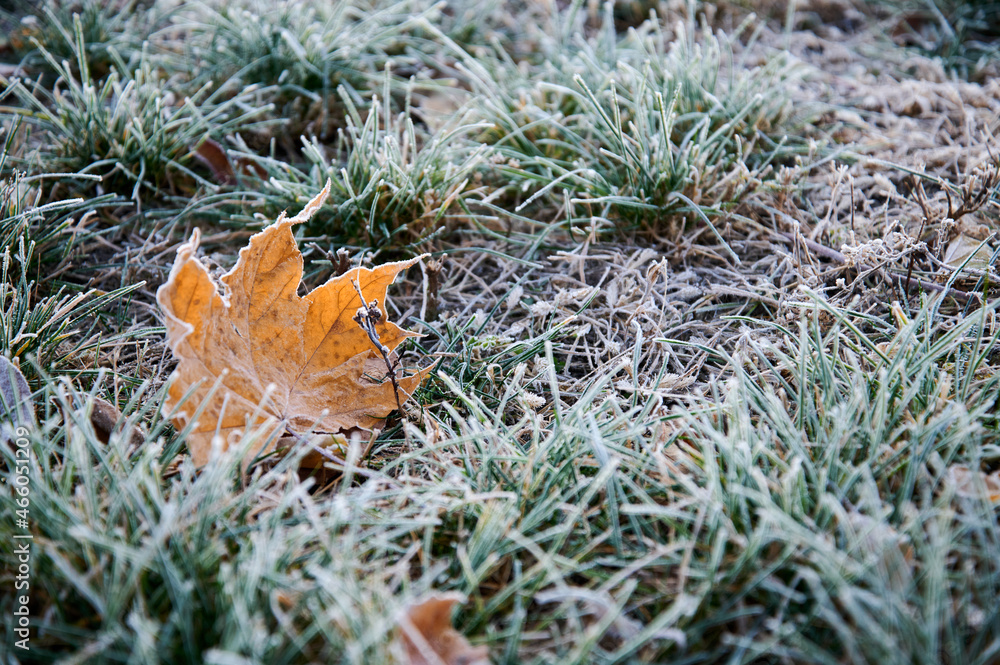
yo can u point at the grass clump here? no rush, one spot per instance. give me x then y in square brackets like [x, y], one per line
[124, 128]
[300, 53]
[109, 32]
[640, 132]
[393, 188]
[21, 216]
[50, 331]
[842, 462]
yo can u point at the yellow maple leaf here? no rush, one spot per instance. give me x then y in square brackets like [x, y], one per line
[257, 354]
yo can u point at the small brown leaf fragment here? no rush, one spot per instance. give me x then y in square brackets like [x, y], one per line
[429, 639]
[968, 251]
[104, 416]
[257, 355]
[212, 155]
[247, 166]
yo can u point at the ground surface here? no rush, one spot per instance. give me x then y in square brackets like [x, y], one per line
[712, 297]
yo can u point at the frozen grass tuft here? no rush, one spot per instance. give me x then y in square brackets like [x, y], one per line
[642, 132]
[392, 187]
[124, 128]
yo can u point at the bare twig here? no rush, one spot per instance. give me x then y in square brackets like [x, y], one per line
[923, 223]
[367, 316]
[341, 261]
[432, 271]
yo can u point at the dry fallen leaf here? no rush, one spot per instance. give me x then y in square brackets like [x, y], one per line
[429, 639]
[260, 355]
[104, 416]
[967, 250]
[214, 156]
